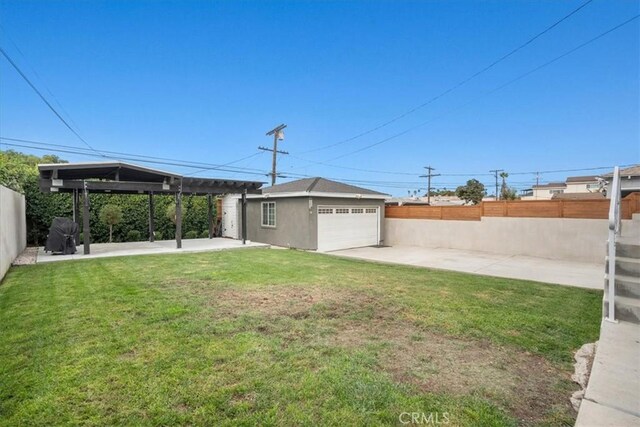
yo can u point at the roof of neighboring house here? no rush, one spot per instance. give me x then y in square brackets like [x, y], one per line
[318, 185]
[630, 171]
[586, 178]
[578, 196]
[551, 185]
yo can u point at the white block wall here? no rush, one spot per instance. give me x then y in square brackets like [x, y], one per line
[13, 227]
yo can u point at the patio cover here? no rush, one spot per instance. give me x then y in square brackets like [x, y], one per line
[126, 178]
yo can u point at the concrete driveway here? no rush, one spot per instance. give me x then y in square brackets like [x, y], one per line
[569, 273]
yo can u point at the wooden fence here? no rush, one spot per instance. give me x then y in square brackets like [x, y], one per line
[585, 209]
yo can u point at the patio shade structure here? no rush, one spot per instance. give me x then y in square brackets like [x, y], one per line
[125, 178]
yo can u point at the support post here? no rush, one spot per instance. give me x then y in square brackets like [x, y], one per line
[179, 217]
[152, 227]
[76, 213]
[244, 217]
[86, 233]
[210, 214]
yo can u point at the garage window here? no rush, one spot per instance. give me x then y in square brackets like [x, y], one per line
[357, 210]
[372, 210]
[342, 210]
[269, 214]
[325, 211]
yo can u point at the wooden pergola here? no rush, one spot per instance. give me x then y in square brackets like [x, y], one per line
[125, 178]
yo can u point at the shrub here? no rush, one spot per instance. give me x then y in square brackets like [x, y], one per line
[134, 236]
[157, 235]
[191, 234]
[111, 215]
[204, 234]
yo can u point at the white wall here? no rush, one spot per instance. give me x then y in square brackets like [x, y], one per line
[555, 238]
[13, 227]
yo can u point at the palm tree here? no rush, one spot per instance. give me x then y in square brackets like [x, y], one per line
[504, 188]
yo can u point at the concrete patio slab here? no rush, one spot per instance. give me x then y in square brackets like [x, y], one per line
[569, 273]
[101, 250]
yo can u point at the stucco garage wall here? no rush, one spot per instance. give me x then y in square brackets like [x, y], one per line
[297, 219]
[555, 238]
[292, 223]
[13, 227]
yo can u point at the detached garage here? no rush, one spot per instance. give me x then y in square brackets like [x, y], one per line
[316, 214]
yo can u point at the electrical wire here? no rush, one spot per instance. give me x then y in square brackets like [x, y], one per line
[456, 86]
[492, 91]
[136, 157]
[42, 97]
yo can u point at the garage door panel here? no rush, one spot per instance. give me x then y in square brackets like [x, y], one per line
[347, 227]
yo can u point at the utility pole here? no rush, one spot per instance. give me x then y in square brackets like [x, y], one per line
[496, 172]
[428, 176]
[278, 134]
[537, 183]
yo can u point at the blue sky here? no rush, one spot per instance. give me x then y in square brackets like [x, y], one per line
[204, 81]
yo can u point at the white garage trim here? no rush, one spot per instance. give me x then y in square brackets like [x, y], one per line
[347, 226]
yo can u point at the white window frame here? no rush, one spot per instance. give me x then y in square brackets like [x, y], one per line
[262, 218]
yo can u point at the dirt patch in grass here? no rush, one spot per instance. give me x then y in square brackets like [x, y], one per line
[526, 385]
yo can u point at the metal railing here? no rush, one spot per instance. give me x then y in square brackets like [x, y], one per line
[615, 222]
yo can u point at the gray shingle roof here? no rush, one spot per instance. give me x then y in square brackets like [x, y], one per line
[587, 178]
[551, 185]
[320, 185]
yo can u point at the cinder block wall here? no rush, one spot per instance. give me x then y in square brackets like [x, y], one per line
[13, 227]
[555, 238]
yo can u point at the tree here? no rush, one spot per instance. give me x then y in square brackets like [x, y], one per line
[19, 172]
[473, 192]
[111, 215]
[506, 192]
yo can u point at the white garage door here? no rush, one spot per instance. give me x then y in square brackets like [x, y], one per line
[343, 227]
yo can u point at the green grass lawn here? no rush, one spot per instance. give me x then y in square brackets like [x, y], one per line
[280, 337]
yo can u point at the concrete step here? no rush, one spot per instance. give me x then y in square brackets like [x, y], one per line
[625, 266]
[626, 286]
[626, 248]
[626, 309]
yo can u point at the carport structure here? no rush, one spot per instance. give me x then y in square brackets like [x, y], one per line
[117, 177]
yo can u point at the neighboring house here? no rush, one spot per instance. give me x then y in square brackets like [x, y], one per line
[316, 214]
[629, 180]
[546, 191]
[583, 184]
[573, 185]
[406, 201]
[578, 196]
[422, 201]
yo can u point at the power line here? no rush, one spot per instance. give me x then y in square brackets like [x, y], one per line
[458, 85]
[510, 82]
[136, 157]
[35, 89]
[35, 72]
[193, 164]
[226, 164]
[86, 153]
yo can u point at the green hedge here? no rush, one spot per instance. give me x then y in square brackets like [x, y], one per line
[19, 172]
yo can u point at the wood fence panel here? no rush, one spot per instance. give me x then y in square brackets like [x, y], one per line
[534, 209]
[462, 213]
[493, 208]
[581, 209]
[590, 209]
